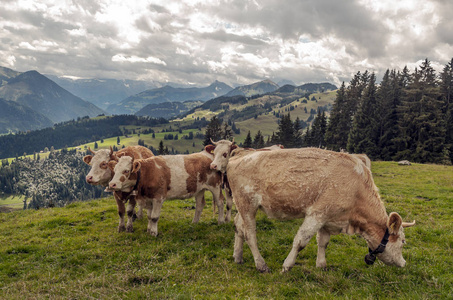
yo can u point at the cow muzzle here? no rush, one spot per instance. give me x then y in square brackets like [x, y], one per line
[89, 179]
[113, 186]
[213, 166]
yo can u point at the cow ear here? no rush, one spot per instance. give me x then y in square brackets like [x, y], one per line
[394, 223]
[209, 148]
[233, 147]
[112, 165]
[118, 155]
[87, 159]
[136, 166]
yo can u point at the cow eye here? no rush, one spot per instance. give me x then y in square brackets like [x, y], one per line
[225, 154]
[404, 241]
[103, 165]
[126, 172]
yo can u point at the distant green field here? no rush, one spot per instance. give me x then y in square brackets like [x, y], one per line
[76, 253]
[266, 123]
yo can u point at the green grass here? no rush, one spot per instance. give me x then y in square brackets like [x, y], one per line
[75, 252]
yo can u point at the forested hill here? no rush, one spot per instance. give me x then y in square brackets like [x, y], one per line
[407, 116]
[68, 134]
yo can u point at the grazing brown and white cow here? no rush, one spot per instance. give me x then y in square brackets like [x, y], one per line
[169, 177]
[334, 193]
[100, 174]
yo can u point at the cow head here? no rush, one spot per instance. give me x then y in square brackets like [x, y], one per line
[221, 151]
[99, 173]
[392, 254]
[125, 174]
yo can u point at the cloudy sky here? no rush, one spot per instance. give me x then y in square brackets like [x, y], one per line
[234, 41]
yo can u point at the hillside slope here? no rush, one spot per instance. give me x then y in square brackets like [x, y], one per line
[46, 97]
[16, 117]
[167, 93]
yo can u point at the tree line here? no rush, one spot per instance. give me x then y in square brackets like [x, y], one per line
[70, 133]
[409, 115]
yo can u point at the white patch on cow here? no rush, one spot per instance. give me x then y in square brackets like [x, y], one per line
[100, 176]
[124, 163]
[179, 176]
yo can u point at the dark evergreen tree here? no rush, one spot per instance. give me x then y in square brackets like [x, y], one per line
[248, 141]
[446, 85]
[298, 133]
[161, 149]
[258, 141]
[227, 133]
[364, 134]
[213, 131]
[339, 122]
[388, 97]
[421, 122]
[285, 134]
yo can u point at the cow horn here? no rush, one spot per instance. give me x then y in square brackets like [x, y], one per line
[111, 150]
[89, 149]
[214, 143]
[406, 224]
[232, 141]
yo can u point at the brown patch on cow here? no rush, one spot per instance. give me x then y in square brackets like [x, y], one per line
[215, 180]
[87, 159]
[197, 166]
[123, 178]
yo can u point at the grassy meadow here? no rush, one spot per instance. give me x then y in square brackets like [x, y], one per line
[76, 253]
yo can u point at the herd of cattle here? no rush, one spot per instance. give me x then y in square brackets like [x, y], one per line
[334, 193]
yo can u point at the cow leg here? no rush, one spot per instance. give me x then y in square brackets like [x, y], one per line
[121, 212]
[238, 239]
[153, 216]
[249, 229]
[199, 205]
[130, 214]
[229, 205]
[220, 200]
[323, 238]
[140, 211]
[308, 229]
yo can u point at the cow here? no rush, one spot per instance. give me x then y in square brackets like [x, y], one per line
[100, 174]
[170, 177]
[334, 193]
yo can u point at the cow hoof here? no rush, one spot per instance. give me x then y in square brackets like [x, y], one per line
[264, 269]
[121, 228]
[130, 229]
[134, 217]
[220, 222]
[238, 260]
[152, 233]
[285, 270]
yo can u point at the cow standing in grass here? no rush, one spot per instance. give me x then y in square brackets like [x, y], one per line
[100, 174]
[159, 178]
[334, 193]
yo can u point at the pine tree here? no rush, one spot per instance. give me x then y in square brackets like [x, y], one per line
[213, 131]
[297, 133]
[227, 132]
[446, 85]
[258, 141]
[248, 141]
[388, 98]
[421, 122]
[285, 133]
[339, 122]
[161, 149]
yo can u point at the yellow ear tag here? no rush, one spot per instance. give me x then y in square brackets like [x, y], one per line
[212, 151]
